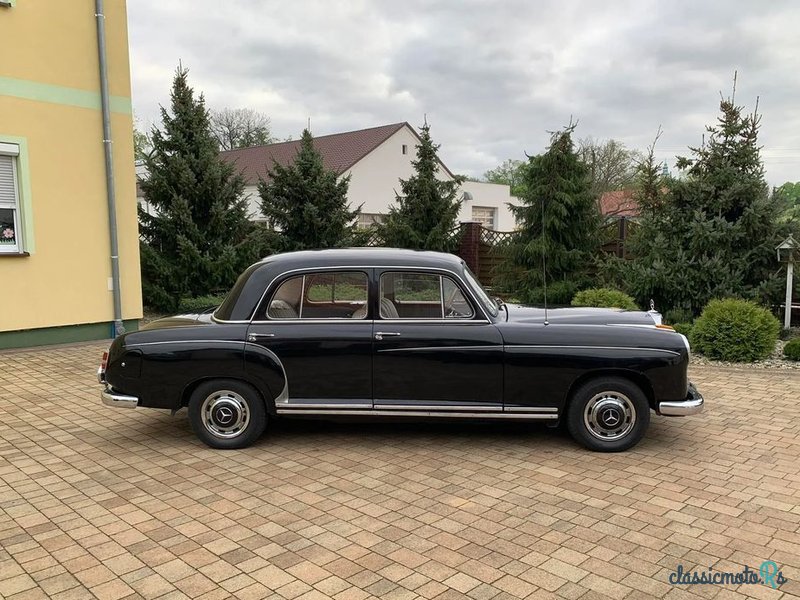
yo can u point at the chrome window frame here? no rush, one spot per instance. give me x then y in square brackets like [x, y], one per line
[442, 273]
[479, 318]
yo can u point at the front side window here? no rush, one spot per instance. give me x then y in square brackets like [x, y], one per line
[10, 217]
[330, 295]
[487, 303]
[408, 295]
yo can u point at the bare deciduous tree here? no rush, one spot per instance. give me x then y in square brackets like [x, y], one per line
[240, 128]
[611, 165]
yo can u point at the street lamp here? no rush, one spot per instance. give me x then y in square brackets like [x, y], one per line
[788, 252]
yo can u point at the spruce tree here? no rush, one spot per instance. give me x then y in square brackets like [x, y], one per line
[712, 232]
[307, 203]
[427, 207]
[198, 237]
[558, 222]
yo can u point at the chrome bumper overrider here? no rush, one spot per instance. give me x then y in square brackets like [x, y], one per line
[112, 398]
[692, 405]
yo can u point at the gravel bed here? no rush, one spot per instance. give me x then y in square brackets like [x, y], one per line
[775, 361]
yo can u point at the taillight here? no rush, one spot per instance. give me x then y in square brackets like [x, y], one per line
[104, 361]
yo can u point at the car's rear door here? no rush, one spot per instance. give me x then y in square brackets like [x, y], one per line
[318, 325]
[433, 348]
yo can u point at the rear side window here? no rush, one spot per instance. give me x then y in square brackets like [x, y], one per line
[328, 295]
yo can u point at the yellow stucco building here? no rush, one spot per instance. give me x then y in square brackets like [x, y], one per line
[55, 252]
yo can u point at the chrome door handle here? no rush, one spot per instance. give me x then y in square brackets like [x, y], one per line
[254, 337]
[379, 335]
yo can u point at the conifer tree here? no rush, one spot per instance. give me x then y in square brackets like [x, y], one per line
[427, 207]
[712, 232]
[307, 203]
[558, 226]
[197, 237]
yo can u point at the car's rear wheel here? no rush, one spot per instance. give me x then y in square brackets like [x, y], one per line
[608, 414]
[226, 413]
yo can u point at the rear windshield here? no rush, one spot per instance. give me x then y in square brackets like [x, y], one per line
[225, 310]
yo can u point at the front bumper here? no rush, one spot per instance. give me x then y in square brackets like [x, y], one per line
[117, 400]
[691, 405]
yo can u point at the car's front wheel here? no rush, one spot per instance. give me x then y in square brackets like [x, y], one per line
[226, 413]
[608, 414]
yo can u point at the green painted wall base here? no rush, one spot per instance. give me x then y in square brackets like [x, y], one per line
[45, 336]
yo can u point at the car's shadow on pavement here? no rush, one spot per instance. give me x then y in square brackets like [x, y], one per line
[364, 434]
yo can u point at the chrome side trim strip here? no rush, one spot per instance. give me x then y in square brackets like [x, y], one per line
[436, 407]
[421, 413]
[324, 406]
[238, 343]
[424, 348]
[313, 321]
[438, 321]
[512, 347]
[531, 409]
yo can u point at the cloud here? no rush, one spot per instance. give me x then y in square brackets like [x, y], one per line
[493, 78]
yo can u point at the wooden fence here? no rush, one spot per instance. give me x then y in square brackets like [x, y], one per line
[481, 248]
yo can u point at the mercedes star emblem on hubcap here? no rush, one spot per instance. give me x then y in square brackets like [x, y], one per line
[610, 417]
[224, 415]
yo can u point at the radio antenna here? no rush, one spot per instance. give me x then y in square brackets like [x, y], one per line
[544, 266]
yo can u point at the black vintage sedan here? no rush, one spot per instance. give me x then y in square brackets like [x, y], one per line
[398, 334]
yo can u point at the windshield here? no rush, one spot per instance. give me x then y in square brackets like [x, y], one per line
[477, 288]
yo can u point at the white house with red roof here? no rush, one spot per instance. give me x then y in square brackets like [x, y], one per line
[376, 159]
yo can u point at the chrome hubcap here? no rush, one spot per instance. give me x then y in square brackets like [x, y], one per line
[609, 416]
[225, 414]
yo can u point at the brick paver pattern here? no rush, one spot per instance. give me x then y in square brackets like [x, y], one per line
[97, 502]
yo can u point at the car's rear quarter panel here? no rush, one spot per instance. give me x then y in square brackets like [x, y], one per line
[174, 360]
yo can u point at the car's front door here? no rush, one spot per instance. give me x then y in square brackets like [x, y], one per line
[317, 324]
[433, 349]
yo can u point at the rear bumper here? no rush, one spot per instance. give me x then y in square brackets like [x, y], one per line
[691, 405]
[117, 400]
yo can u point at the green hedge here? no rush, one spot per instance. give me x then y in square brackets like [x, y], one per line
[735, 330]
[684, 328]
[678, 315]
[604, 298]
[188, 305]
[792, 349]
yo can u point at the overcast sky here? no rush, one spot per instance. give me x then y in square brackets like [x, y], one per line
[492, 76]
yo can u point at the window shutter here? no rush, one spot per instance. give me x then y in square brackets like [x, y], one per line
[8, 188]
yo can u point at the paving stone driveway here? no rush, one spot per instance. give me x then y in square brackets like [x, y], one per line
[97, 502]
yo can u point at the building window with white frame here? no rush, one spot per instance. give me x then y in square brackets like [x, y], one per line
[484, 215]
[367, 220]
[10, 216]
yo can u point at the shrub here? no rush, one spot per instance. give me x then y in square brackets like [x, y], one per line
[684, 328]
[792, 349]
[678, 315]
[188, 305]
[735, 330]
[604, 298]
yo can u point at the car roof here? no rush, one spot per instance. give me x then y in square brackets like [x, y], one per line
[362, 257]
